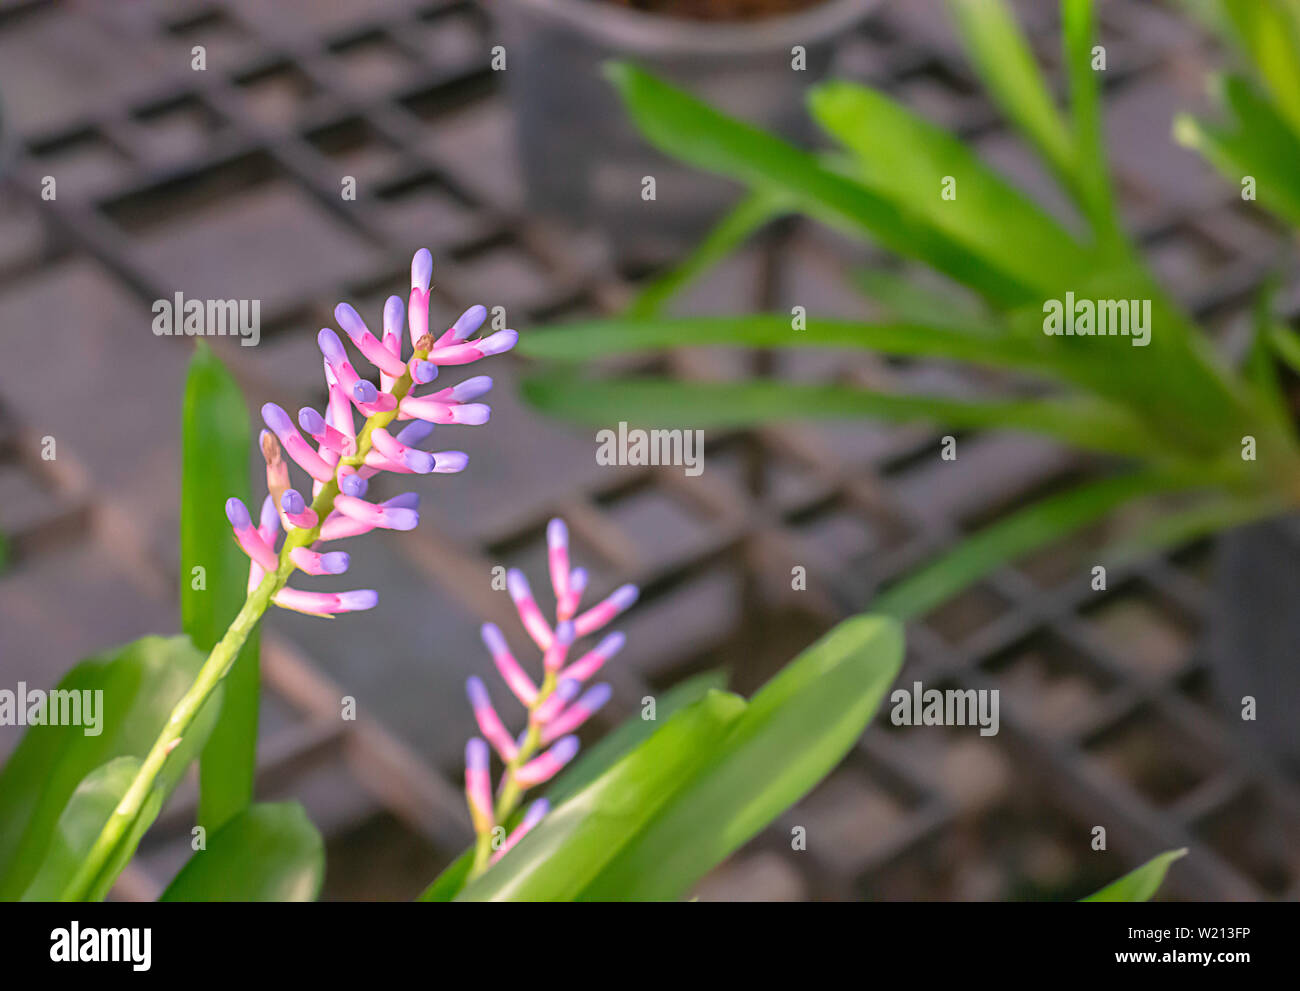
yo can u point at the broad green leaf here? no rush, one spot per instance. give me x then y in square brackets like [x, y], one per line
[140, 682]
[669, 404]
[269, 852]
[611, 748]
[1037, 525]
[1002, 57]
[79, 825]
[907, 160]
[712, 777]
[751, 213]
[569, 848]
[791, 735]
[909, 301]
[215, 457]
[1286, 344]
[682, 126]
[589, 766]
[1140, 884]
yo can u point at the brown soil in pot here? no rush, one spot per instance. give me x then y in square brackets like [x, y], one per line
[717, 10]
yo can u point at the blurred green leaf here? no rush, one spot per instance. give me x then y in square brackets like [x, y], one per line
[1004, 61]
[756, 209]
[141, 682]
[1286, 345]
[1269, 33]
[1140, 884]
[1255, 141]
[215, 458]
[792, 734]
[79, 826]
[1037, 525]
[680, 125]
[907, 160]
[716, 773]
[269, 852]
[669, 404]
[1091, 167]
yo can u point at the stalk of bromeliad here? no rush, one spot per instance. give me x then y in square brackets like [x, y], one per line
[555, 709]
[293, 532]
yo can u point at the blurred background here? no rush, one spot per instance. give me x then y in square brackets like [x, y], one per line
[226, 182]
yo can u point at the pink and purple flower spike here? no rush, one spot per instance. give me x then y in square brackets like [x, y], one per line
[326, 446]
[559, 707]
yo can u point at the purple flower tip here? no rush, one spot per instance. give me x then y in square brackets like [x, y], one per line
[477, 692]
[564, 632]
[311, 421]
[578, 580]
[517, 585]
[421, 269]
[330, 345]
[564, 749]
[335, 562]
[292, 502]
[424, 372]
[472, 388]
[596, 696]
[612, 644]
[414, 432]
[493, 639]
[469, 321]
[365, 392]
[419, 462]
[476, 754]
[406, 500]
[624, 596]
[404, 519]
[353, 485]
[237, 513]
[394, 312]
[536, 812]
[502, 340]
[557, 534]
[568, 688]
[450, 462]
[474, 414]
[270, 519]
[276, 418]
[359, 599]
[350, 320]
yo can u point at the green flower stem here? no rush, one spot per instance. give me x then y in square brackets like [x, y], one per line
[218, 664]
[511, 790]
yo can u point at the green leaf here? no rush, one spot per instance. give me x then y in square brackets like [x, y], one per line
[569, 848]
[140, 682]
[1025, 530]
[1140, 884]
[907, 160]
[215, 458]
[1091, 172]
[1286, 345]
[590, 765]
[79, 825]
[1256, 141]
[686, 128]
[1270, 35]
[269, 852]
[594, 761]
[716, 773]
[1004, 61]
[793, 733]
[751, 213]
[669, 404]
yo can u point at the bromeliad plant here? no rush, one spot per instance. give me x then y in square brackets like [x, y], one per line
[1173, 416]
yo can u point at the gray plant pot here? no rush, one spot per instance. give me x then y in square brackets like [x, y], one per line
[1255, 633]
[583, 160]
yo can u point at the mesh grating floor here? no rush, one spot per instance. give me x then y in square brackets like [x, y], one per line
[175, 180]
